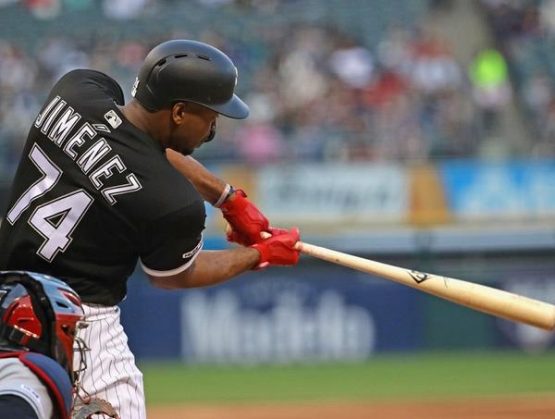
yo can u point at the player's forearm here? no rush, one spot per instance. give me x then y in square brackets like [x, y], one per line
[212, 267]
[207, 184]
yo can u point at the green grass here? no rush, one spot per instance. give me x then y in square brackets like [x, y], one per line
[429, 376]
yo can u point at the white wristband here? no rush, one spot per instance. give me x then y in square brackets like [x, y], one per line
[226, 192]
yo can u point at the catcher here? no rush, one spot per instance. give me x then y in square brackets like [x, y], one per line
[39, 317]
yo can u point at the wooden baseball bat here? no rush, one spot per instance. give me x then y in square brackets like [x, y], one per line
[478, 297]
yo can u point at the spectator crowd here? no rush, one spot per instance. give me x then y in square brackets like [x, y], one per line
[316, 91]
[524, 31]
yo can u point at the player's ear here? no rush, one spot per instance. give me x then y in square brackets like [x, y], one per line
[178, 111]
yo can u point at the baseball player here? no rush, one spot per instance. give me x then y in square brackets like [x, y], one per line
[38, 318]
[95, 192]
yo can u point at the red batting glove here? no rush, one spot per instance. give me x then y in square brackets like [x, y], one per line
[245, 219]
[279, 249]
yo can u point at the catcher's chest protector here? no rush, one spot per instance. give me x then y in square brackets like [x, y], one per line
[52, 376]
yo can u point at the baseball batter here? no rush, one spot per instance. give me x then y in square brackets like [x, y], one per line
[95, 192]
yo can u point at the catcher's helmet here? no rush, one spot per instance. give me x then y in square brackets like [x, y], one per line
[189, 71]
[38, 313]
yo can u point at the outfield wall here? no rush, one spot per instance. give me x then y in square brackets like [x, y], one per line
[321, 312]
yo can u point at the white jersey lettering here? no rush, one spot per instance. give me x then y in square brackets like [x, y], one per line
[93, 155]
[86, 131]
[52, 116]
[59, 124]
[106, 171]
[42, 116]
[63, 126]
[132, 185]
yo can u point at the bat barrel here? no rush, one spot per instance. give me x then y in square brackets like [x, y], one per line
[476, 296]
[499, 303]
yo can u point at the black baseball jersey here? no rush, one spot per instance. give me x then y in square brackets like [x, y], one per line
[93, 193]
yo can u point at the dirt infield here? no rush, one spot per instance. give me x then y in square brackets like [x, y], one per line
[533, 407]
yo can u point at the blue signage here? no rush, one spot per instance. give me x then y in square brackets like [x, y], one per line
[281, 315]
[521, 189]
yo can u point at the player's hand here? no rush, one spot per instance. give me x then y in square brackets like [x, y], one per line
[279, 249]
[246, 220]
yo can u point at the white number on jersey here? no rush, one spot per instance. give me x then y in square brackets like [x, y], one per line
[54, 220]
[50, 176]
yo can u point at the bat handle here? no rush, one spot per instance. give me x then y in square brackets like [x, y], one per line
[302, 247]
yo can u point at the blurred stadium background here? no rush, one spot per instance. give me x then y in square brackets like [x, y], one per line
[416, 132]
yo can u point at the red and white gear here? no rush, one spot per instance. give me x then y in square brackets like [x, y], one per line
[245, 219]
[279, 249]
[38, 313]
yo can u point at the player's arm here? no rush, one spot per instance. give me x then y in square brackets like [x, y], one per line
[245, 219]
[206, 183]
[213, 267]
[171, 251]
[210, 268]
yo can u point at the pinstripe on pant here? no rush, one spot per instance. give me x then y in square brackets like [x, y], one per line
[111, 372]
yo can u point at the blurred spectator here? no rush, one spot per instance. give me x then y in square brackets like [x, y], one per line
[259, 141]
[524, 32]
[432, 69]
[436, 77]
[44, 9]
[398, 132]
[537, 95]
[214, 3]
[545, 146]
[17, 70]
[490, 81]
[58, 55]
[123, 9]
[316, 93]
[353, 64]
[387, 86]
[299, 69]
[547, 16]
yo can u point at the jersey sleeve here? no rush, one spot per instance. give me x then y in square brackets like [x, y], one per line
[171, 243]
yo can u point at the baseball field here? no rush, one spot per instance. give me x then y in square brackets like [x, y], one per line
[431, 385]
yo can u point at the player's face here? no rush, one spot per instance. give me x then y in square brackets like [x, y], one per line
[191, 127]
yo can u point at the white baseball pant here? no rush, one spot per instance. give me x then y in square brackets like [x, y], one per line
[111, 373]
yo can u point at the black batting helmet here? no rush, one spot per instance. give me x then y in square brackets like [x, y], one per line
[189, 71]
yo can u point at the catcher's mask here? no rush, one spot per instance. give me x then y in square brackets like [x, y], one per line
[39, 313]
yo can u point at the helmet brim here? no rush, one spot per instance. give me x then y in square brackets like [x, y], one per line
[234, 108]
